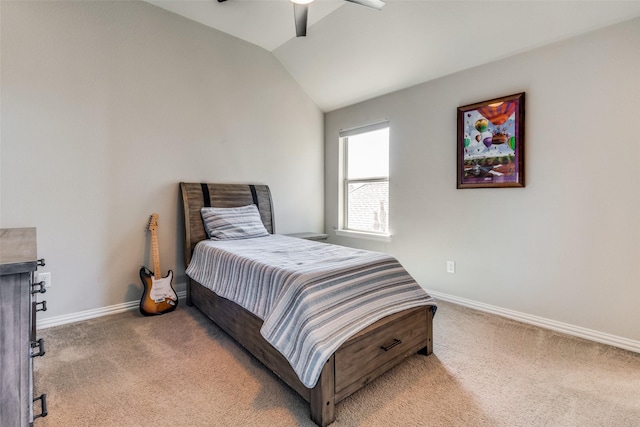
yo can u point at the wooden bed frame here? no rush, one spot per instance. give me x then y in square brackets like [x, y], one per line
[360, 360]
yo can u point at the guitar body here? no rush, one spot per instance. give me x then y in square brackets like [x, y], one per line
[158, 297]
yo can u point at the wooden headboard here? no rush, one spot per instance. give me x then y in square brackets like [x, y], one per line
[197, 195]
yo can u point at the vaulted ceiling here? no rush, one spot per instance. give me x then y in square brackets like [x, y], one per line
[353, 53]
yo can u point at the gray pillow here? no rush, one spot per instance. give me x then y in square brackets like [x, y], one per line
[233, 223]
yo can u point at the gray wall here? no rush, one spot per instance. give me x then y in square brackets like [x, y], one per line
[565, 248]
[106, 106]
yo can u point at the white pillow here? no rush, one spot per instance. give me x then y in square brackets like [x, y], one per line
[233, 223]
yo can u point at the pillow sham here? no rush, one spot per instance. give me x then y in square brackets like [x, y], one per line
[243, 222]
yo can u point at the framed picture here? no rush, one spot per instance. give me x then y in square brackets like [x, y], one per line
[491, 143]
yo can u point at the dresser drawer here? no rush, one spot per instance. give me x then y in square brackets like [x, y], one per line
[402, 335]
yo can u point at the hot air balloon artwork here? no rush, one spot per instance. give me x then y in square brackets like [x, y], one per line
[491, 143]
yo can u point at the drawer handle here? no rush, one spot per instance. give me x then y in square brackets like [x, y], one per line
[41, 290]
[41, 262]
[44, 306]
[395, 342]
[40, 345]
[43, 405]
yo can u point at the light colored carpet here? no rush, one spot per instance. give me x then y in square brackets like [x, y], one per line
[179, 369]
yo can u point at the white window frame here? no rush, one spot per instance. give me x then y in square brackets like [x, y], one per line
[344, 184]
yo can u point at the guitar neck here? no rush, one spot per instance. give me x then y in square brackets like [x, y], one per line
[155, 251]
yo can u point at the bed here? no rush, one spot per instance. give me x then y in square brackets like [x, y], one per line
[360, 359]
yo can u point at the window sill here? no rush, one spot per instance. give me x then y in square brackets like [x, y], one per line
[364, 235]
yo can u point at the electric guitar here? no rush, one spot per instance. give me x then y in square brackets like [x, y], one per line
[158, 297]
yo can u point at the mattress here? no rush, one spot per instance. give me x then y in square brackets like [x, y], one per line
[311, 296]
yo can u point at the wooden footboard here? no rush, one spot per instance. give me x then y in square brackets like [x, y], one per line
[356, 363]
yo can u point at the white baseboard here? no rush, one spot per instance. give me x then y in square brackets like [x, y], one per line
[542, 322]
[91, 314]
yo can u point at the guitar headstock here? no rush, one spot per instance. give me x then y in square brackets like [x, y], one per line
[153, 222]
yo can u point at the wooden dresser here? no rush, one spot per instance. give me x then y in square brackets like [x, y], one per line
[18, 342]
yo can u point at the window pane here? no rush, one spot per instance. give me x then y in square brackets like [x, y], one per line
[368, 206]
[368, 155]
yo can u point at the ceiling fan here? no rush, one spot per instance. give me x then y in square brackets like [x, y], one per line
[301, 10]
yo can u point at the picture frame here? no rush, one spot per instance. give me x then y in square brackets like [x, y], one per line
[491, 143]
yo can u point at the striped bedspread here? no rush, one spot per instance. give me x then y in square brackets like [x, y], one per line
[311, 296]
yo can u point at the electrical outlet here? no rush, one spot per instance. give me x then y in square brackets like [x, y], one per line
[44, 277]
[451, 266]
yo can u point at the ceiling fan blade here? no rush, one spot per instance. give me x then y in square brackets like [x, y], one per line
[220, 1]
[300, 12]
[375, 4]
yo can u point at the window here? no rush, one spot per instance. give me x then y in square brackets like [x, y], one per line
[365, 177]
